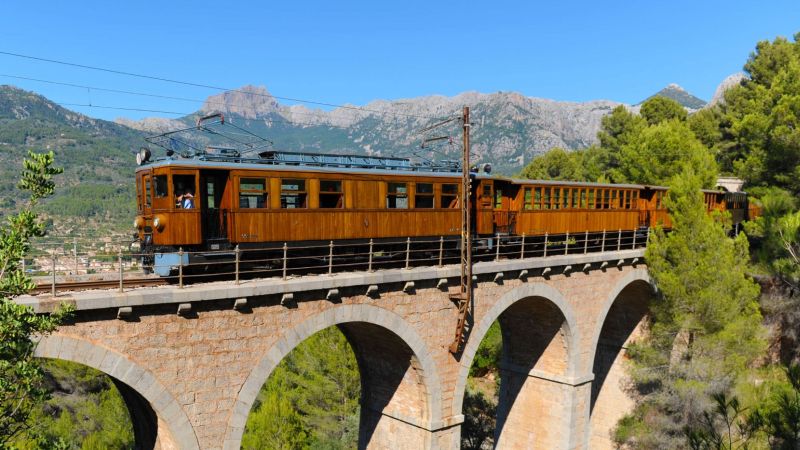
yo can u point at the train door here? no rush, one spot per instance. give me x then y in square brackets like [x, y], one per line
[214, 216]
[185, 228]
[504, 215]
[484, 207]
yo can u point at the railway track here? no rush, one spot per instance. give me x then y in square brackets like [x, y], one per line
[44, 288]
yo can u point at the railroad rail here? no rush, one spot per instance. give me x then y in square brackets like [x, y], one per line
[73, 286]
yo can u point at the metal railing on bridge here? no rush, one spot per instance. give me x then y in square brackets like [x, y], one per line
[53, 267]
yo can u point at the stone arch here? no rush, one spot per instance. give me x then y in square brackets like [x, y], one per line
[540, 357]
[159, 419]
[357, 322]
[622, 320]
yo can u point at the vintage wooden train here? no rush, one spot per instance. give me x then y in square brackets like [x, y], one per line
[217, 200]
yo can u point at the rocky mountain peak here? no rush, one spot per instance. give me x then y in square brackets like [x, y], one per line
[729, 82]
[250, 102]
[680, 95]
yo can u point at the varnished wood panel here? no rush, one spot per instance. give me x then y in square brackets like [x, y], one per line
[302, 225]
[574, 221]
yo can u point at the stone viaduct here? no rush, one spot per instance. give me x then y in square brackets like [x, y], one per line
[190, 361]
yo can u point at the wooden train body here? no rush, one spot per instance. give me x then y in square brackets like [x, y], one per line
[264, 204]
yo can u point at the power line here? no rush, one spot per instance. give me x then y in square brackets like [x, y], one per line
[207, 86]
[321, 114]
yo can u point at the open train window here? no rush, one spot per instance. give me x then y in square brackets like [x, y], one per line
[498, 198]
[181, 186]
[537, 198]
[547, 194]
[567, 198]
[423, 197]
[449, 196]
[576, 198]
[583, 198]
[160, 182]
[556, 198]
[253, 193]
[635, 201]
[590, 198]
[527, 199]
[293, 194]
[397, 196]
[331, 194]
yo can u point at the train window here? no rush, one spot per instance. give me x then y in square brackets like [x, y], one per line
[252, 193]
[423, 197]
[527, 199]
[590, 199]
[556, 198]
[576, 198]
[183, 185]
[613, 203]
[635, 201]
[139, 203]
[397, 196]
[498, 198]
[537, 198]
[331, 194]
[449, 196]
[547, 192]
[160, 186]
[148, 200]
[567, 196]
[487, 190]
[583, 198]
[293, 194]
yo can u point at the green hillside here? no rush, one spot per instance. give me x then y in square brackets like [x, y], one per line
[96, 187]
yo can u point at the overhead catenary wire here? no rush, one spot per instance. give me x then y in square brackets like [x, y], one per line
[208, 86]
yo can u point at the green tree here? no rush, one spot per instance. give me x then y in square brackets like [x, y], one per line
[660, 152]
[320, 380]
[761, 118]
[556, 164]
[20, 373]
[618, 129]
[705, 328]
[661, 109]
[275, 425]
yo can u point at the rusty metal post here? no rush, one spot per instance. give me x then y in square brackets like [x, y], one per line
[545, 244]
[285, 254]
[586, 242]
[237, 256]
[408, 252]
[121, 276]
[619, 240]
[497, 248]
[566, 244]
[603, 243]
[53, 287]
[369, 265]
[330, 258]
[441, 249]
[522, 248]
[180, 267]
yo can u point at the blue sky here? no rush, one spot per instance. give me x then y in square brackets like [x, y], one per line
[354, 52]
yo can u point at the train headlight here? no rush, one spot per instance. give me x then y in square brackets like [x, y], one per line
[159, 222]
[138, 222]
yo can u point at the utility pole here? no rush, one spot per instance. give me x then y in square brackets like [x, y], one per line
[464, 296]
